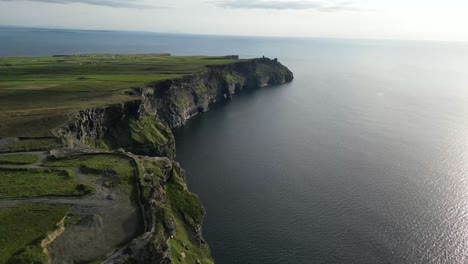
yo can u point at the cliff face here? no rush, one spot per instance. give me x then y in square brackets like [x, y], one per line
[173, 215]
[143, 126]
[175, 101]
[119, 126]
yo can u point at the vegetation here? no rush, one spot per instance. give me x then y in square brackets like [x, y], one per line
[187, 212]
[22, 229]
[153, 168]
[29, 183]
[29, 254]
[16, 145]
[234, 77]
[182, 209]
[118, 169]
[38, 93]
[18, 159]
[149, 129]
[184, 202]
[183, 243]
[104, 143]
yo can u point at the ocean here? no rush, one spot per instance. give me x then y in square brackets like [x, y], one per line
[363, 158]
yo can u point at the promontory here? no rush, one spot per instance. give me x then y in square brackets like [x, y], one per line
[87, 170]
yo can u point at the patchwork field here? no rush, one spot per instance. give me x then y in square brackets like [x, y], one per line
[76, 205]
[37, 93]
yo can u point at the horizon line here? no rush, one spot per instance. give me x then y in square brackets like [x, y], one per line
[233, 35]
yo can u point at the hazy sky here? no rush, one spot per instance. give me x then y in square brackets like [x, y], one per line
[388, 19]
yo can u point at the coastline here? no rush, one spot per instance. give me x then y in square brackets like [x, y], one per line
[140, 130]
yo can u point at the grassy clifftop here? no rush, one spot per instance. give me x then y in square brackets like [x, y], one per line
[63, 118]
[37, 93]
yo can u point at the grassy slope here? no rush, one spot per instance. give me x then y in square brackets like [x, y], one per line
[22, 229]
[187, 212]
[29, 183]
[32, 144]
[36, 93]
[18, 159]
[184, 242]
[181, 208]
[149, 129]
[118, 168]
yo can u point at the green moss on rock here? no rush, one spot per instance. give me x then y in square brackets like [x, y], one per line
[187, 245]
[182, 201]
[148, 129]
[177, 212]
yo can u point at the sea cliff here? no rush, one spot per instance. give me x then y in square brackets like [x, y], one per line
[143, 127]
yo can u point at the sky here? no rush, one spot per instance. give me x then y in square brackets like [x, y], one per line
[445, 20]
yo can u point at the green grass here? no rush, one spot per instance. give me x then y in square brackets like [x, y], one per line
[153, 168]
[181, 241]
[18, 159]
[29, 183]
[39, 92]
[30, 144]
[149, 129]
[187, 212]
[118, 169]
[30, 254]
[22, 227]
[185, 202]
[180, 208]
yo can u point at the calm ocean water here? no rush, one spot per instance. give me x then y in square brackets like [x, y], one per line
[362, 159]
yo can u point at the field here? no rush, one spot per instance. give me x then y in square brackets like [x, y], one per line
[37, 93]
[22, 229]
[36, 96]
[18, 159]
[108, 178]
[30, 183]
[30, 144]
[119, 170]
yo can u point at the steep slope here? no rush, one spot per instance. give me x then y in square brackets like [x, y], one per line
[172, 214]
[143, 126]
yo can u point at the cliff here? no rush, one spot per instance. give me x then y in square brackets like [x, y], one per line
[143, 126]
[175, 101]
[173, 215]
[119, 126]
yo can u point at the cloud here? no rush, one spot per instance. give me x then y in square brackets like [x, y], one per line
[318, 5]
[107, 3]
